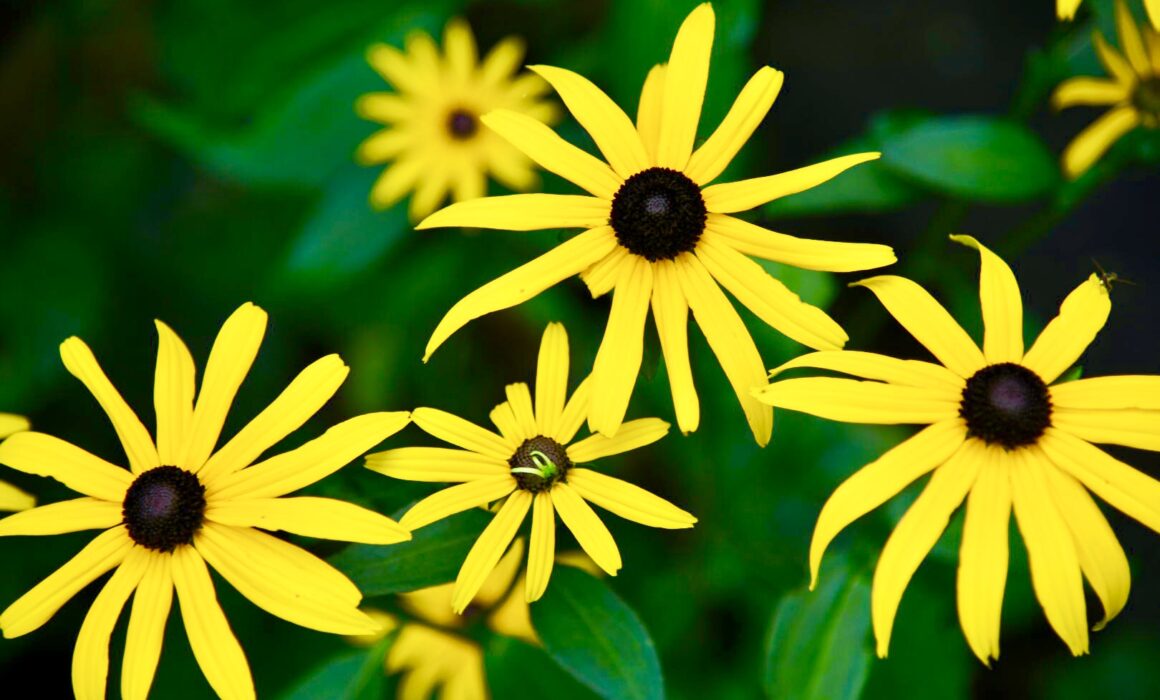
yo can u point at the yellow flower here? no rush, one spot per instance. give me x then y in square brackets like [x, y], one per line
[658, 233]
[1132, 92]
[1001, 437]
[531, 465]
[181, 505]
[12, 498]
[433, 135]
[1065, 9]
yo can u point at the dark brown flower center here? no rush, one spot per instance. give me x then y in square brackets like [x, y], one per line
[1146, 99]
[462, 124]
[658, 214]
[539, 463]
[1006, 404]
[164, 507]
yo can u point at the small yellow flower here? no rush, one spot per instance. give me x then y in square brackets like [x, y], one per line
[659, 234]
[1002, 438]
[181, 505]
[434, 137]
[12, 498]
[531, 465]
[1132, 92]
[1065, 9]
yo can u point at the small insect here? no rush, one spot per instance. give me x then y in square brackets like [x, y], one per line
[1108, 278]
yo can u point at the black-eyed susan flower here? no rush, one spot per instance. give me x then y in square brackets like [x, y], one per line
[658, 233]
[1065, 9]
[530, 466]
[1132, 91]
[434, 140]
[12, 498]
[182, 505]
[1003, 438]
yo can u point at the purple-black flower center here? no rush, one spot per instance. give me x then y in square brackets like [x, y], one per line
[1006, 404]
[462, 124]
[164, 507]
[658, 214]
[1146, 99]
[539, 463]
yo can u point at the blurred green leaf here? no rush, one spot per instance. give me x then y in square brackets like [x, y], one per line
[817, 647]
[597, 638]
[518, 669]
[431, 557]
[357, 674]
[973, 157]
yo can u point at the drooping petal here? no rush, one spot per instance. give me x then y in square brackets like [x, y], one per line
[215, 647]
[542, 553]
[1127, 426]
[627, 500]
[64, 516]
[1002, 306]
[856, 401]
[917, 532]
[648, 111]
[449, 427]
[750, 107]
[1101, 393]
[1088, 91]
[1091, 143]
[173, 391]
[488, 549]
[435, 464]
[826, 256]
[671, 314]
[520, 399]
[1131, 41]
[523, 212]
[618, 360]
[457, 499]
[743, 195]
[983, 556]
[601, 276]
[684, 91]
[90, 662]
[310, 516]
[881, 480]
[526, 281]
[632, 434]
[929, 323]
[868, 365]
[586, 526]
[45, 455]
[1081, 316]
[551, 378]
[151, 605]
[575, 413]
[80, 363]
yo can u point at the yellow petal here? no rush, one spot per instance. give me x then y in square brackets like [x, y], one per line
[173, 390]
[459, 47]
[868, 365]
[1087, 91]
[1124, 391]
[607, 124]
[309, 391]
[1126, 426]
[45, 455]
[744, 195]
[233, 353]
[449, 427]
[633, 434]
[1065, 9]
[768, 298]
[520, 399]
[684, 91]
[648, 111]
[523, 212]
[1113, 60]
[855, 401]
[504, 419]
[1091, 143]
[430, 191]
[916, 533]
[90, 663]
[501, 62]
[729, 340]
[1081, 316]
[80, 363]
[435, 464]
[214, 645]
[11, 423]
[486, 551]
[311, 462]
[397, 180]
[618, 360]
[383, 146]
[35, 607]
[385, 108]
[882, 479]
[393, 65]
[457, 499]
[827, 256]
[983, 556]
[747, 112]
[928, 322]
[151, 605]
[1153, 8]
[551, 378]
[575, 413]
[1055, 568]
[567, 259]
[542, 553]
[1130, 40]
[671, 314]
[587, 528]
[64, 516]
[12, 498]
[499, 583]
[537, 141]
[467, 185]
[310, 516]
[628, 501]
[1002, 306]
[601, 276]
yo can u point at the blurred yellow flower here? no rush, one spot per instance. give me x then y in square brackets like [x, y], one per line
[434, 138]
[1132, 92]
[1066, 10]
[658, 233]
[180, 505]
[1002, 439]
[12, 498]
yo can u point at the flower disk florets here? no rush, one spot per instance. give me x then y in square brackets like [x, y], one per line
[1146, 99]
[539, 463]
[462, 124]
[1006, 404]
[658, 214]
[164, 507]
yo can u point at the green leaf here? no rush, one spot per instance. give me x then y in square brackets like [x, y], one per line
[518, 669]
[597, 638]
[433, 556]
[817, 646]
[980, 158]
[357, 674]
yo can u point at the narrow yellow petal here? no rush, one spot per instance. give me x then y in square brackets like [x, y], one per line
[1088, 91]
[621, 350]
[671, 314]
[498, 584]
[856, 401]
[468, 185]
[1113, 60]
[1153, 8]
[393, 65]
[601, 277]
[743, 195]
[523, 212]
[460, 50]
[45, 455]
[90, 662]
[684, 91]
[983, 556]
[12, 498]
[435, 464]
[542, 553]
[457, 499]
[1081, 316]
[551, 378]
[449, 427]
[504, 419]
[567, 259]
[916, 533]
[868, 365]
[587, 528]
[1055, 568]
[1002, 306]
[430, 190]
[826, 256]
[383, 146]
[747, 112]
[397, 180]
[1131, 41]
[1065, 9]
[501, 62]
[12, 423]
[929, 323]
[1100, 393]
[648, 111]
[173, 391]
[520, 399]
[632, 434]
[64, 516]
[1126, 426]
[310, 516]
[151, 605]
[575, 413]
[1091, 143]
[80, 363]
[486, 551]
[627, 500]
[385, 108]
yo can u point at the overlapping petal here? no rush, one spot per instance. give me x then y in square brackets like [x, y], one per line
[488, 549]
[855, 401]
[750, 107]
[868, 365]
[435, 464]
[671, 315]
[311, 516]
[983, 556]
